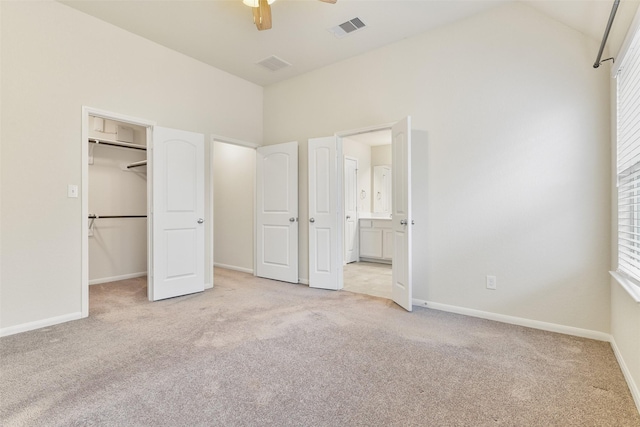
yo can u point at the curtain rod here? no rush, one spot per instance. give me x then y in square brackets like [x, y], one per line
[606, 35]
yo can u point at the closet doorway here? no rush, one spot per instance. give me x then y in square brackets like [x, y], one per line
[175, 195]
[368, 238]
[117, 201]
[233, 183]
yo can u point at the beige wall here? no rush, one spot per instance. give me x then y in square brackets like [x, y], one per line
[381, 155]
[234, 195]
[53, 63]
[511, 176]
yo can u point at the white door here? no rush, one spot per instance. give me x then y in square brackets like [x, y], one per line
[401, 213]
[277, 212]
[350, 210]
[177, 214]
[325, 230]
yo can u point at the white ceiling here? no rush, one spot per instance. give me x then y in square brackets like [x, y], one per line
[221, 32]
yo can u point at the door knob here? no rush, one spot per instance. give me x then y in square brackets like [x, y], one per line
[312, 220]
[403, 222]
[348, 217]
[200, 220]
[292, 219]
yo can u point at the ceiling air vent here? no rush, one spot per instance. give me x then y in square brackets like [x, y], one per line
[348, 27]
[274, 63]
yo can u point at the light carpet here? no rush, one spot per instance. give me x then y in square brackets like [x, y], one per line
[255, 352]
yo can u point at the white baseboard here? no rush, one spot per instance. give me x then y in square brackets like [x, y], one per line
[633, 387]
[116, 278]
[233, 267]
[303, 281]
[11, 330]
[535, 324]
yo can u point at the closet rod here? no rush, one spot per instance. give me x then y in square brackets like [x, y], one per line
[93, 216]
[606, 35]
[137, 164]
[118, 144]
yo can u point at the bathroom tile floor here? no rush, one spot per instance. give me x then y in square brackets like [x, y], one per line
[369, 278]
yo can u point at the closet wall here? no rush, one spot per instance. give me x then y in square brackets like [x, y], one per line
[233, 206]
[117, 246]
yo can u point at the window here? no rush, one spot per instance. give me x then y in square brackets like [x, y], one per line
[628, 161]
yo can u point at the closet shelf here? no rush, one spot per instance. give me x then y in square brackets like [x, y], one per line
[137, 164]
[118, 144]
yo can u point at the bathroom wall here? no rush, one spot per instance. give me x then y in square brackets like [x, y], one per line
[362, 152]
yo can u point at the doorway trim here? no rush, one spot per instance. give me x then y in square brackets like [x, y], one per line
[234, 141]
[86, 112]
[344, 204]
[368, 129]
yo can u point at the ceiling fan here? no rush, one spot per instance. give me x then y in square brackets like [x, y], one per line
[262, 12]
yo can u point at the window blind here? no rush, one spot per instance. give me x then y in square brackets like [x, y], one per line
[628, 161]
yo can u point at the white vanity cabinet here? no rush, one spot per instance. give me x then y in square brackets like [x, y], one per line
[376, 240]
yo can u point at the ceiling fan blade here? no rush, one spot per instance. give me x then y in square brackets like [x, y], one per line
[262, 15]
[329, 1]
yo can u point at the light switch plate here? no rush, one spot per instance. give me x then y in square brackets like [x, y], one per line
[72, 191]
[491, 282]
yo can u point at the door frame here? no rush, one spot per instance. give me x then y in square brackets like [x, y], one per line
[84, 184]
[344, 204]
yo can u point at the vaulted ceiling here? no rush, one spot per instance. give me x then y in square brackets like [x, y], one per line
[221, 32]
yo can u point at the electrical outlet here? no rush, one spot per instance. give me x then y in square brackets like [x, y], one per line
[491, 283]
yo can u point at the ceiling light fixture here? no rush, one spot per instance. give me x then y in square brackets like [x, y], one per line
[255, 3]
[262, 12]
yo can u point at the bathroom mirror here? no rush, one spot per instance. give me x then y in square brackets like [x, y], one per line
[382, 189]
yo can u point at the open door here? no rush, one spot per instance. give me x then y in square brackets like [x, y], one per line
[325, 230]
[351, 252]
[277, 212]
[177, 214]
[401, 214]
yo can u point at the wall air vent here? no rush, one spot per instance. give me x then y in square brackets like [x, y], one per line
[273, 63]
[348, 27]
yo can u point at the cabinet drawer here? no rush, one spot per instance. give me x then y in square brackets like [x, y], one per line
[381, 223]
[366, 223]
